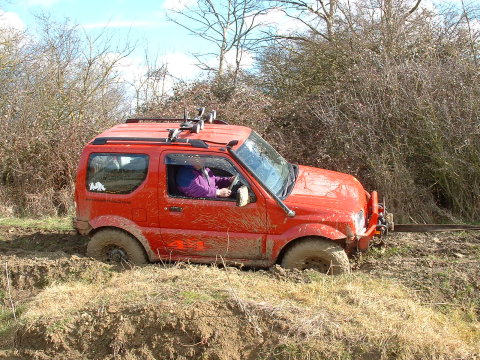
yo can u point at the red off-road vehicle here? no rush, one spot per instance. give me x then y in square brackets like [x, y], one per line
[128, 200]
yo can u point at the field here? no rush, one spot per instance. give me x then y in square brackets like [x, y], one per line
[417, 296]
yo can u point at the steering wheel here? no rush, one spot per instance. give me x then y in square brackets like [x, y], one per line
[234, 182]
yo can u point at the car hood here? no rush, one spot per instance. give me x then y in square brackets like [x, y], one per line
[327, 189]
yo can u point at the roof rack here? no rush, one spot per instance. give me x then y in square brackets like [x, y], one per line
[150, 141]
[187, 124]
[166, 120]
[159, 120]
[211, 118]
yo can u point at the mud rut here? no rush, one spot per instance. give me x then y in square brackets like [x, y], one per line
[442, 269]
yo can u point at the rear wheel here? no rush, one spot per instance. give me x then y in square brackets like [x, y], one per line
[116, 247]
[318, 254]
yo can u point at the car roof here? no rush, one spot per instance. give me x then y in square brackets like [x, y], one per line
[214, 133]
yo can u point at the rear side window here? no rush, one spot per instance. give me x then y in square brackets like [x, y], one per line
[116, 173]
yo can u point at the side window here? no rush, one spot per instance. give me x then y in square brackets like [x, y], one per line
[216, 173]
[116, 173]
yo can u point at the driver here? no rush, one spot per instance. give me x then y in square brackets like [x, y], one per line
[196, 180]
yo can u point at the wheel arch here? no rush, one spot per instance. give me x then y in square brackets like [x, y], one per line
[125, 225]
[294, 242]
[134, 238]
[278, 244]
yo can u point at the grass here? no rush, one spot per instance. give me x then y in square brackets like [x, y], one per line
[48, 223]
[359, 314]
[9, 319]
[194, 296]
[476, 251]
[385, 253]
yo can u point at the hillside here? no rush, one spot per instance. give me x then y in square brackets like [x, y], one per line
[417, 296]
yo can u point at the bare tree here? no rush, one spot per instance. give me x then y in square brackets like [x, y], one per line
[472, 34]
[321, 18]
[152, 85]
[318, 16]
[228, 25]
[59, 89]
[392, 99]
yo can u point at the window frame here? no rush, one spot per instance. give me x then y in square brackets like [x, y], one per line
[92, 155]
[219, 156]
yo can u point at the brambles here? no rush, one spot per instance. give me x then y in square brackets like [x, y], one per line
[58, 90]
[392, 99]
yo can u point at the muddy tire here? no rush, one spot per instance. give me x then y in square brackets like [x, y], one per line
[318, 254]
[116, 247]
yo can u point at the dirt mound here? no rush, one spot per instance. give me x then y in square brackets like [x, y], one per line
[290, 275]
[36, 272]
[210, 330]
[30, 242]
[70, 307]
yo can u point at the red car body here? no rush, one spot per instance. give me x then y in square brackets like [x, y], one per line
[327, 204]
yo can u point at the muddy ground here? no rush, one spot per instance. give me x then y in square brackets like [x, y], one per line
[442, 269]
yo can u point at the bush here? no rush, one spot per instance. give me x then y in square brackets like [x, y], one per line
[403, 117]
[56, 95]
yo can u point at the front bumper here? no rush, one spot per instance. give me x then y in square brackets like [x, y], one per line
[376, 212]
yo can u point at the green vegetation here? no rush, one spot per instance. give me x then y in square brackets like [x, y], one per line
[194, 296]
[9, 320]
[476, 250]
[385, 253]
[48, 223]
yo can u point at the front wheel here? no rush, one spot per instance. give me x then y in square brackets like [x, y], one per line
[322, 255]
[116, 247]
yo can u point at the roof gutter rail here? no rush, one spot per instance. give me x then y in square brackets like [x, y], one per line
[288, 211]
[151, 141]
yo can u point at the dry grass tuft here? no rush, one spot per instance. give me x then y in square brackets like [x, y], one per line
[341, 316]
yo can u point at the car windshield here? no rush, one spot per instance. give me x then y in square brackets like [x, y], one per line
[266, 163]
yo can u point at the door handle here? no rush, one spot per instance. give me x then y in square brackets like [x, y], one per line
[175, 209]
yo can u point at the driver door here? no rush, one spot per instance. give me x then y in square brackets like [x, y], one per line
[209, 228]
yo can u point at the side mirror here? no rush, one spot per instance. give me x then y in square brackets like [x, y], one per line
[243, 198]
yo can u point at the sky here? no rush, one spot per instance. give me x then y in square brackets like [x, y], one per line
[141, 22]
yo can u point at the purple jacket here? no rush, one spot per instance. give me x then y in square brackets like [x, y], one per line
[194, 183]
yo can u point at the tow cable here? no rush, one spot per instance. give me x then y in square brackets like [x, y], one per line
[386, 225]
[432, 227]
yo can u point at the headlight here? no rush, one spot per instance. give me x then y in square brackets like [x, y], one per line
[359, 221]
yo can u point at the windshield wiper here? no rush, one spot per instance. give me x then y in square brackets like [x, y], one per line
[295, 170]
[292, 177]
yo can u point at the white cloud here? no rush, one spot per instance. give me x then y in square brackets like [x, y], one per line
[131, 68]
[284, 24]
[246, 63]
[177, 5]
[475, 25]
[180, 65]
[11, 20]
[428, 5]
[120, 23]
[44, 3]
